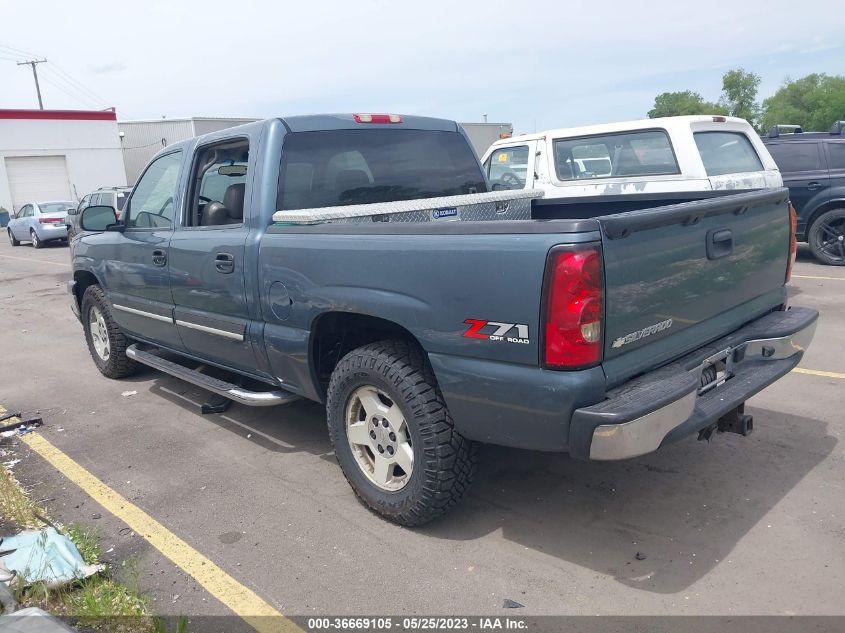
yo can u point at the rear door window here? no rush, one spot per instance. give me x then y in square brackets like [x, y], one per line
[796, 157]
[727, 153]
[625, 154]
[836, 155]
[507, 167]
[340, 167]
[121, 199]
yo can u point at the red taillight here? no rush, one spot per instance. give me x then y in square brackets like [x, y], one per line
[793, 241]
[719, 119]
[377, 118]
[50, 220]
[574, 307]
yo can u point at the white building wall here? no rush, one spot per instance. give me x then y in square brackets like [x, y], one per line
[483, 135]
[91, 150]
[143, 139]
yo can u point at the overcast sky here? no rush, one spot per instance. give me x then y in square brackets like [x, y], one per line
[536, 64]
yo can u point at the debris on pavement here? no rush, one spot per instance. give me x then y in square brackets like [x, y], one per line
[43, 555]
[511, 604]
[640, 556]
[32, 620]
[126, 394]
[20, 428]
[7, 600]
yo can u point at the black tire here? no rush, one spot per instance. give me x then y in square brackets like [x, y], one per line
[827, 237]
[118, 364]
[33, 237]
[444, 461]
[12, 239]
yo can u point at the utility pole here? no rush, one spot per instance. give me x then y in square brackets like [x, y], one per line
[35, 75]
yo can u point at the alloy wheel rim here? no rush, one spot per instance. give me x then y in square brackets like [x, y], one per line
[831, 239]
[99, 333]
[379, 437]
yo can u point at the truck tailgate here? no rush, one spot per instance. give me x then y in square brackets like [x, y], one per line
[680, 276]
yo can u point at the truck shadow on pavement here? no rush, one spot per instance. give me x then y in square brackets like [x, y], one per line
[683, 509]
[293, 428]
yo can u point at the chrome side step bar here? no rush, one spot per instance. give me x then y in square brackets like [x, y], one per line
[209, 383]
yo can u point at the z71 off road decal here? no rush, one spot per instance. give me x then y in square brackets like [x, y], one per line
[504, 332]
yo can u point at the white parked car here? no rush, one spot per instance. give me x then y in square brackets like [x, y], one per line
[654, 156]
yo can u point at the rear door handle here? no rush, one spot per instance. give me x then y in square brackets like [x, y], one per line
[159, 257]
[813, 186]
[224, 262]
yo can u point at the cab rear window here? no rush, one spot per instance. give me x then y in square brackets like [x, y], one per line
[727, 153]
[340, 167]
[625, 154]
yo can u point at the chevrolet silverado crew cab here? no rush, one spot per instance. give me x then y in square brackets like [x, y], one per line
[666, 159]
[360, 261]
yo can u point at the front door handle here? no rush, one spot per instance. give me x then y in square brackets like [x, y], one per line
[224, 262]
[159, 257]
[813, 186]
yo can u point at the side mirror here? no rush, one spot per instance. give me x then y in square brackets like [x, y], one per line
[97, 218]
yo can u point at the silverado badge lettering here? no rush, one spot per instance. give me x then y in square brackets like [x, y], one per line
[501, 333]
[646, 331]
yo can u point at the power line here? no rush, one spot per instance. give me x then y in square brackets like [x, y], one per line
[64, 85]
[34, 63]
[58, 70]
[59, 74]
[85, 102]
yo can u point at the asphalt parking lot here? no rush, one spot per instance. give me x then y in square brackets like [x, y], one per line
[736, 526]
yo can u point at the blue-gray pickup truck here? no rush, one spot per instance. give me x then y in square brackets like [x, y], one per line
[361, 261]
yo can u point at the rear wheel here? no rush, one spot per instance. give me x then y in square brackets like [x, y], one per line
[33, 237]
[12, 239]
[393, 435]
[827, 237]
[106, 343]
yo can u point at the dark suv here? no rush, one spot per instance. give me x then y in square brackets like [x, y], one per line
[813, 167]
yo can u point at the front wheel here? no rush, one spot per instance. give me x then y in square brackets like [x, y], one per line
[36, 242]
[106, 343]
[12, 239]
[393, 435]
[827, 237]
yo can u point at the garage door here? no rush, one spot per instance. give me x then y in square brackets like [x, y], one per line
[36, 178]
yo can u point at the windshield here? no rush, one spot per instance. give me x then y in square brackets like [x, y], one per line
[56, 207]
[339, 167]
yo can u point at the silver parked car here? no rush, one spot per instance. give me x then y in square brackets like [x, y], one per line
[40, 222]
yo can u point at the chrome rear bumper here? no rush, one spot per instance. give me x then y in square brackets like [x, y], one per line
[670, 403]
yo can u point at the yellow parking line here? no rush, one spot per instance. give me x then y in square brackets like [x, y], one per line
[34, 259]
[243, 601]
[815, 277]
[816, 372]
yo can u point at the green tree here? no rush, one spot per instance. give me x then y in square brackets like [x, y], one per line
[814, 102]
[739, 94]
[681, 103]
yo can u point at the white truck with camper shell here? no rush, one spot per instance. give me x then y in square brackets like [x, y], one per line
[674, 155]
